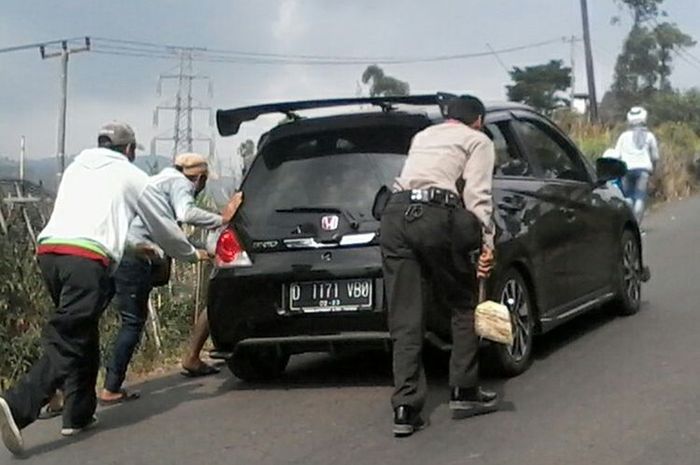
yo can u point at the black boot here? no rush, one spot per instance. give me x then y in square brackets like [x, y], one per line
[407, 421]
[467, 402]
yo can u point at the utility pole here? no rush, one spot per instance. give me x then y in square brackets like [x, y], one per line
[22, 146]
[63, 54]
[592, 99]
[184, 106]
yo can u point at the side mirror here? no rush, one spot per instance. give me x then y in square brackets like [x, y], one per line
[609, 169]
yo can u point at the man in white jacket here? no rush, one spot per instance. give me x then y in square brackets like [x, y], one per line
[100, 194]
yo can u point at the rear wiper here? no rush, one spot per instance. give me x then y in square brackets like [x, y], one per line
[352, 221]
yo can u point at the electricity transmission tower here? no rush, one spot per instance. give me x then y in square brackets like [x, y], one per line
[184, 104]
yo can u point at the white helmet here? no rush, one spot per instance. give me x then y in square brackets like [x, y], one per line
[637, 116]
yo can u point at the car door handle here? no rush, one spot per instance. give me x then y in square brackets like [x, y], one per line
[512, 204]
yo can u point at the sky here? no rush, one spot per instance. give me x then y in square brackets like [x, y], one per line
[106, 87]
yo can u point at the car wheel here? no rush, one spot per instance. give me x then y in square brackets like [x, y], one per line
[629, 292]
[258, 363]
[511, 360]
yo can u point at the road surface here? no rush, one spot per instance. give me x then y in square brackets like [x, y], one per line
[602, 390]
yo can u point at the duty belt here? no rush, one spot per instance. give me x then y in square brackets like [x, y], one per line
[433, 196]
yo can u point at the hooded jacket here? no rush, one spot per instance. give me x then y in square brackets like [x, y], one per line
[177, 197]
[100, 194]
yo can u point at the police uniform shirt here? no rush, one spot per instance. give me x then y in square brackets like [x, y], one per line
[442, 154]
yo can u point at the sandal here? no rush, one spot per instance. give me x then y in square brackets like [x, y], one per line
[202, 370]
[125, 396]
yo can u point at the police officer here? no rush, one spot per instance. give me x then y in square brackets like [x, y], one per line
[429, 233]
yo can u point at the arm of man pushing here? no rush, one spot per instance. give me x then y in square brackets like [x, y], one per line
[164, 229]
[478, 198]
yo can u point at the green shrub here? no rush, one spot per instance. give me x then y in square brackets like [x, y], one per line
[25, 306]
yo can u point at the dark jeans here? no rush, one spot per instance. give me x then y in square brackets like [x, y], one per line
[432, 244]
[133, 286]
[80, 289]
[635, 185]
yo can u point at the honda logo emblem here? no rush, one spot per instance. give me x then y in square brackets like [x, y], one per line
[329, 223]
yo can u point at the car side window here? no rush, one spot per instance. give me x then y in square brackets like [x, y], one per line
[508, 160]
[554, 158]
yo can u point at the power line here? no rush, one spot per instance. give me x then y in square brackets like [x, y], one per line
[144, 49]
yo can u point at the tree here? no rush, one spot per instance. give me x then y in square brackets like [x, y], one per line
[383, 85]
[637, 67]
[669, 39]
[642, 10]
[541, 86]
[247, 153]
[644, 66]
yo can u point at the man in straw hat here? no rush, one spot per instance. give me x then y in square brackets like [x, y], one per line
[177, 187]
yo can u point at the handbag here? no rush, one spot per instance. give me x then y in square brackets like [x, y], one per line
[492, 320]
[161, 267]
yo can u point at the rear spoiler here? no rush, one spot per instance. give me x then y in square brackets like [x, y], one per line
[229, 121]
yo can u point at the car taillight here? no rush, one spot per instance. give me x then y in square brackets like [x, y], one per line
[230, 252]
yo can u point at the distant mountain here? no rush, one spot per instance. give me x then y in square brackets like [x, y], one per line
[43, 170]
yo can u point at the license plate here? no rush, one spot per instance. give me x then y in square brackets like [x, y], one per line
[331, 296]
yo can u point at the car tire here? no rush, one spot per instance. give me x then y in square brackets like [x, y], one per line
[629, 276]
[258, 363]
[513, 292]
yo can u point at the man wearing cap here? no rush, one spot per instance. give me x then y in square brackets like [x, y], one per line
[429, 230]
[100, 194]
[176, 187]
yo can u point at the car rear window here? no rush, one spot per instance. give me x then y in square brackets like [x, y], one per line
[339, 169]
[348, 181]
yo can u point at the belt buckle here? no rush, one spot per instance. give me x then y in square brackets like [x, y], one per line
[417, 195]
[440, 196]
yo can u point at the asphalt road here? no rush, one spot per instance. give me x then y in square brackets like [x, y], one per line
[603, 390]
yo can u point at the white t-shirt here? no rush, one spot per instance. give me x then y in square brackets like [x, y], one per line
[638, 156]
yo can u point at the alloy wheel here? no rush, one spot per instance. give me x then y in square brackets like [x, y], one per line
[514, 296]
[632, 272]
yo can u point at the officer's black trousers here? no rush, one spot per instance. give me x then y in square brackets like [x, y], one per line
[425, 244]
[80, 289]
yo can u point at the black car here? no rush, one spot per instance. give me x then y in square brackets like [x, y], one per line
[299, 269]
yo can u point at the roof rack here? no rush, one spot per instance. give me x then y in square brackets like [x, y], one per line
[229, 121]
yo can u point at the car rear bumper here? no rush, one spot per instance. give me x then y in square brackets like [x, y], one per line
[331, 343]
[247, 305]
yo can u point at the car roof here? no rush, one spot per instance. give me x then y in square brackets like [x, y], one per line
[229, 121]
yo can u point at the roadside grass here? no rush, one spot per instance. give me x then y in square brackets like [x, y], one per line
[678, 175]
